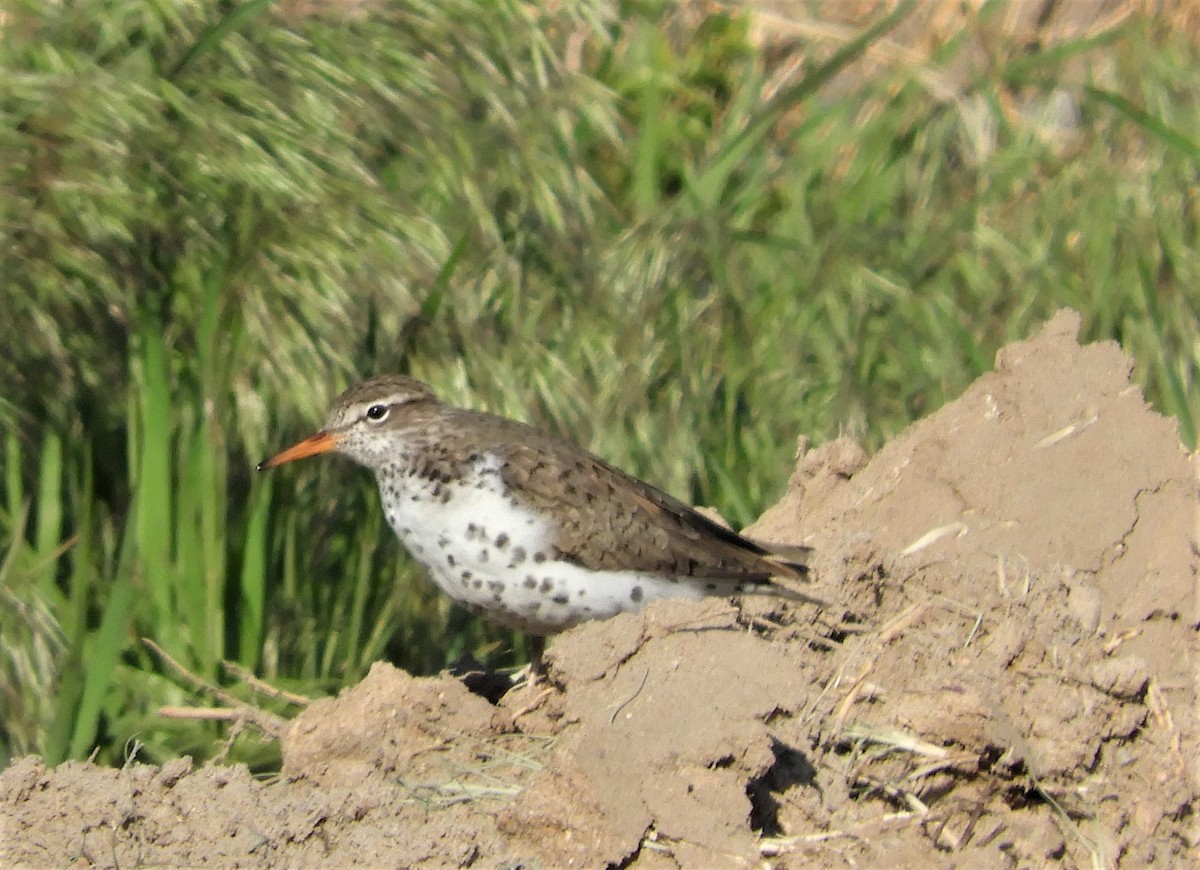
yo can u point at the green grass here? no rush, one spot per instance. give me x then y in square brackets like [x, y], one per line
[212, 222]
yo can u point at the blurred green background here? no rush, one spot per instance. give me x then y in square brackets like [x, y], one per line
[681, 235]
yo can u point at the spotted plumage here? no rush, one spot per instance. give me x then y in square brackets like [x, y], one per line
[526, 529]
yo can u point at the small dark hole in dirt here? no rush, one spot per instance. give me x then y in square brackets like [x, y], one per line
[722, 762]
[791, 768]
[624, 863]
[989, 757]
[848, 618]
[776, 715]
[480, 679]
[1022, 797]
[877, 589]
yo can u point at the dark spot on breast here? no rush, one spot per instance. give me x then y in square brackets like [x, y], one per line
[450, 560]
[477, 583]
[635, 594]
[581, 593]
[502, 542]
[467, 575]
[483, 554]
[539, 557]
[547, 585]
[530, 582]
[518, 555]
[495, 585]
[710, 587]
[561, 598]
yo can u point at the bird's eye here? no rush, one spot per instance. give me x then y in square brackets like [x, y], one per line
[377, 412]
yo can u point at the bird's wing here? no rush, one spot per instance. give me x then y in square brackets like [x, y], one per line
[597, 504]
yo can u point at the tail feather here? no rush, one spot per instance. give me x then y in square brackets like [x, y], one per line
[796, 555]
[787, 561]
[787, 593]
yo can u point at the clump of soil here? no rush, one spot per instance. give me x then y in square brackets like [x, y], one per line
[1006, 677]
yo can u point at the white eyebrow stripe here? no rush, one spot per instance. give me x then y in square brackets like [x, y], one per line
[393, 401]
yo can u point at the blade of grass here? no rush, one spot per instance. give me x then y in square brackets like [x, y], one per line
[12, 472]
[237, 17]
[104, 651]
[1155, 126]
[152, 490]
[253, 586]
[48, 534]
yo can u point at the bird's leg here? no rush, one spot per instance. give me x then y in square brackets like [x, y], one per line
[536, 644]
[533, 673]
[533, 677]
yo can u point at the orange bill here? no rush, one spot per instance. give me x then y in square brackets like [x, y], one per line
[322, 442]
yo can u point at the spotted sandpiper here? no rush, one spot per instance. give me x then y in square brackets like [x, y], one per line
[528, 530]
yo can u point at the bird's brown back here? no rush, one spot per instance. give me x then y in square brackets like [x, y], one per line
[606, 519]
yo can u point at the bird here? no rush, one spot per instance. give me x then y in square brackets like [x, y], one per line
[528, 530]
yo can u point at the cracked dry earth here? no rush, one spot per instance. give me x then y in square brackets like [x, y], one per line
[1008, 679]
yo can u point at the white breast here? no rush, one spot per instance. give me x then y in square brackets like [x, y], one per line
[496, 556]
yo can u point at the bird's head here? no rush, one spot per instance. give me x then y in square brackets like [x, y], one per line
[368, 422]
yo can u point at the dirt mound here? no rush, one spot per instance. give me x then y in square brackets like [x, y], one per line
[1008, 677]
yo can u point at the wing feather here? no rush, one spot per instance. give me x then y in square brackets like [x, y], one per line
[598, 504]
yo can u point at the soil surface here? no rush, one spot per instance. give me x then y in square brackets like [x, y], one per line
[1005, 677]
